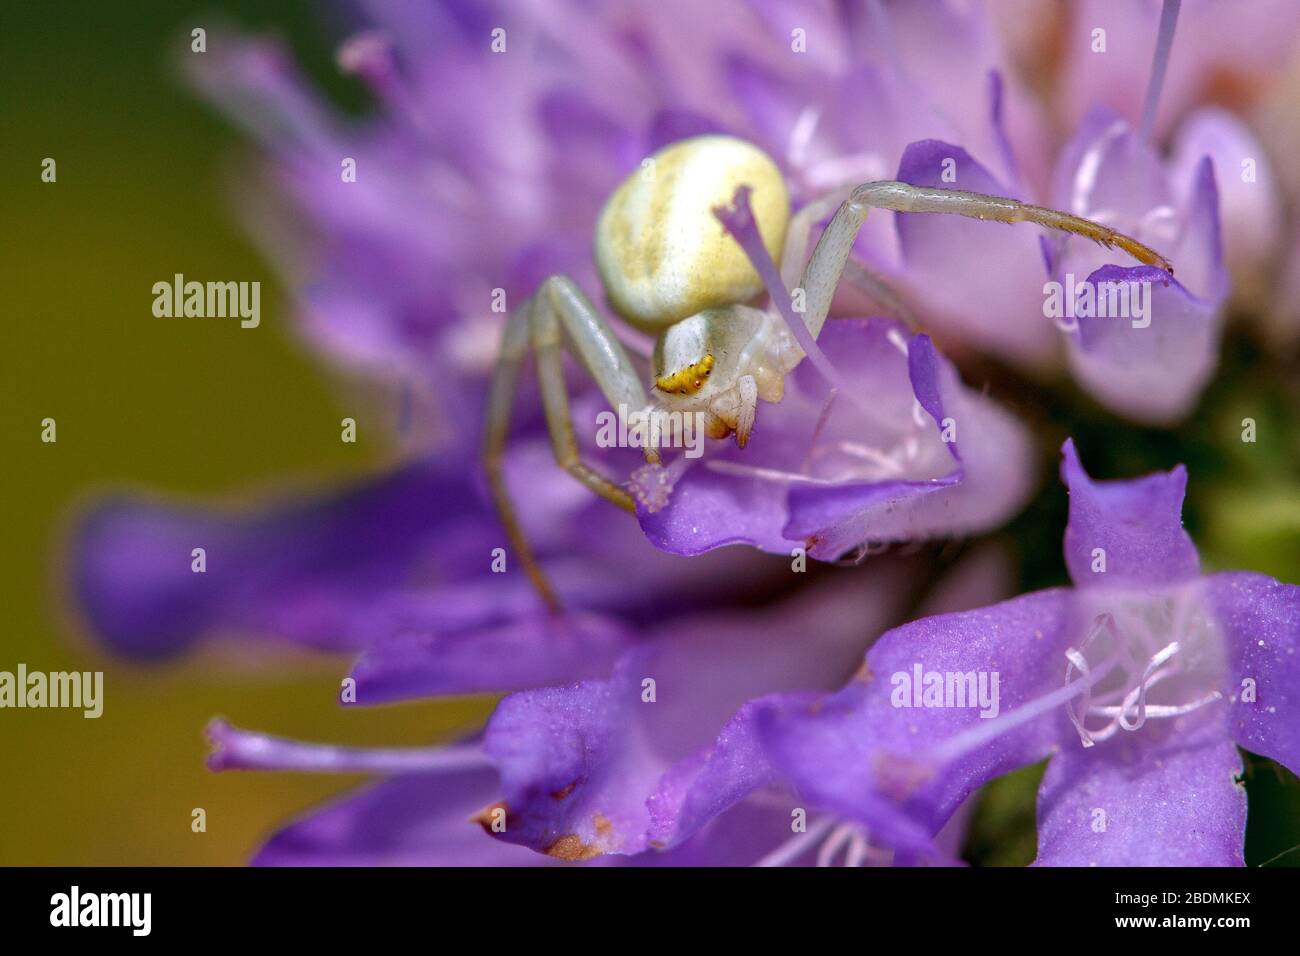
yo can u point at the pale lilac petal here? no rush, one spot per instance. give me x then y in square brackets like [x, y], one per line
[1150, 362]
[1150, 369]
[1220, 44]
[1248, 189]
[993, 480]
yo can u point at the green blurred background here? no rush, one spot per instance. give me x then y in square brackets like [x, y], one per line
[192, 408]
[210, 412]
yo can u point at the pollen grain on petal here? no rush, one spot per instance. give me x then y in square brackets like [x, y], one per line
[571, 849]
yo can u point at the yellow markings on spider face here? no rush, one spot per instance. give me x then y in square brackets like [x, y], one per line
[688, 380]
[661, 253]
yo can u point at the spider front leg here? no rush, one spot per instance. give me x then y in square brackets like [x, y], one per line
[561, 306]
[514, 349]
[866, 280]
[828, 260]
[558, 307]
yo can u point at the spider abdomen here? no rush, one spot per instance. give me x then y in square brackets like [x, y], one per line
[662, 255]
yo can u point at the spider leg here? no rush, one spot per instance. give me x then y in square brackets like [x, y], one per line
[827, 263]
[866, 280]
[795, 251]
[560, 306]
[505, 377]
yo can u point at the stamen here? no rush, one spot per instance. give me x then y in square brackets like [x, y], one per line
[1126, 707]
[978, 735]
[740, 469]
[797, 845]
[841, 835]
[1076, 661]
[1139, 694]
[801, 135]
[834, 837]
[235, 749]
[1159, 63]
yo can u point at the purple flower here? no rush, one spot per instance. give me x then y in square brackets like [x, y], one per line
[615, 766]
[996, 292]
[397, 566]
[394, 275]
[682, 711]
[1150, 362]
[1139, 684]
[911, 453]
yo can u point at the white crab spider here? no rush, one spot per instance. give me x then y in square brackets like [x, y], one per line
[670, 270]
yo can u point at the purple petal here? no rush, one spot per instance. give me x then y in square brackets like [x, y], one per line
[594, 768]
[1130, 802]
[831, 477]
[530, 648]
[1260, 620]
[1252, 217]
[305, 572]
[1150, 369]
[993, 478]
[411, 820]
[132, 574]
[859, 756]
[1133, 529]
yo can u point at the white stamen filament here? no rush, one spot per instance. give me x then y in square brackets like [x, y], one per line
[831, 839]
[980, 734]
[797, 845]
[1132, 710]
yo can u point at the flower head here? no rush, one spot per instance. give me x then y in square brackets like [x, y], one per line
[1138, 685]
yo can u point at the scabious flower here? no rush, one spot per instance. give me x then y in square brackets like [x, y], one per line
[655, 712]
[393, 278]
[1138, 685]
